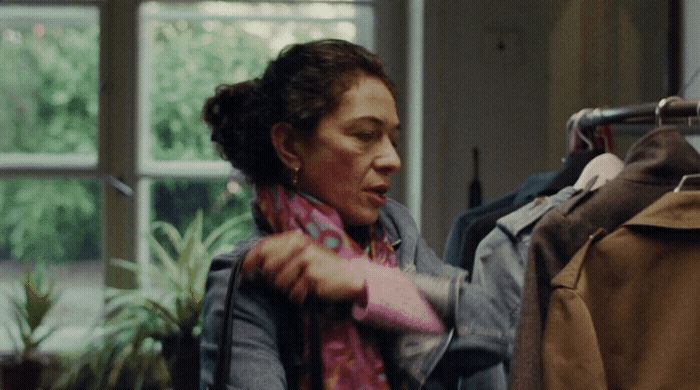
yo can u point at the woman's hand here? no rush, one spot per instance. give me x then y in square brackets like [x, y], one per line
[296, 265]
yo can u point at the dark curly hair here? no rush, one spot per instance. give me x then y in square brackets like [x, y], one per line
[304, 83]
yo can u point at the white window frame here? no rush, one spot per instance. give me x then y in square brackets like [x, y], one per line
[70, 165]
[125, 183]
[149, 169]
[121, 141]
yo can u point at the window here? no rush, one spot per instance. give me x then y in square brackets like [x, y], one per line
[97, 128]
[185, 51]
[50, 187]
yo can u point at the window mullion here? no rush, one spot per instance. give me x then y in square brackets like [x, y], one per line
[117, 130]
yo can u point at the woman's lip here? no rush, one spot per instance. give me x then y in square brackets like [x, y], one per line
[377, 200]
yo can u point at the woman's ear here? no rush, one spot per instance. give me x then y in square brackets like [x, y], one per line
[285, 140]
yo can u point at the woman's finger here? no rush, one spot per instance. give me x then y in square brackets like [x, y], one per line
[290, 272]
[299, 292]
[253, 258]
[276, 250]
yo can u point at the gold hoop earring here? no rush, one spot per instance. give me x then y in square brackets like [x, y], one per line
[295, 177]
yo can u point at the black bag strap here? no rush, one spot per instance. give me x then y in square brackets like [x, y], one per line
[223, 362]
[315, 348]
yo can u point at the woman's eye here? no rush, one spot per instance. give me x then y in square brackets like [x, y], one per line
[365, 135]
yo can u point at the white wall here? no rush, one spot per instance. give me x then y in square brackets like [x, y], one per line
[691, 47]
[691, 54]
[505, 79]
[485, 86]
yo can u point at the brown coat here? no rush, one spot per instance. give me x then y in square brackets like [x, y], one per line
[654, 165]
[625, 313]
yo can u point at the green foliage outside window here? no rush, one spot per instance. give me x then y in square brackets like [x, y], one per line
[189, 59]
[49, 105]
[50, 219]
[49, 84]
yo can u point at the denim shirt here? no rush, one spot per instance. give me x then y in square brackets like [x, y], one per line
[499, 266]
[475, 316]
[501, 256]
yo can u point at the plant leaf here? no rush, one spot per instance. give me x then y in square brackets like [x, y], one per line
[170, 231]
[225, 227]
[193, 238]
[166, 261]
[120, 359]
[50, 331]
[185, 259]
[198, 226]
[12, 337]
[130, 266]
[166, 313]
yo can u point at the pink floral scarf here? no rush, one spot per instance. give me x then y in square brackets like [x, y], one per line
[351, 359]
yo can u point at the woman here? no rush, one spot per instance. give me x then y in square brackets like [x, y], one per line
[339, 288]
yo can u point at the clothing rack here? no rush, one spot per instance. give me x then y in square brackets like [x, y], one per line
[669, 110]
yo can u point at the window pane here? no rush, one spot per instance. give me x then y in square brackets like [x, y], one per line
[189, 49]
[58, 223]
[48, 84]
[177, 201]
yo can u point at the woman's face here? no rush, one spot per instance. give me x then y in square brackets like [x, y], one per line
[349, 160]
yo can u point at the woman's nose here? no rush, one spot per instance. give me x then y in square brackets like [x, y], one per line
[388, 160]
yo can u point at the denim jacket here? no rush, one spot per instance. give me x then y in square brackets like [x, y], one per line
[501, 256]
[499, 265]
[478, 334]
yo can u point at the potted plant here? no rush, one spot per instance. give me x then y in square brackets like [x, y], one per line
[119, 355]
[158, 323]
[23, 369]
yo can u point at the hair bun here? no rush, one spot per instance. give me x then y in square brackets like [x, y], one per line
[227, 105]
[236, 115]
